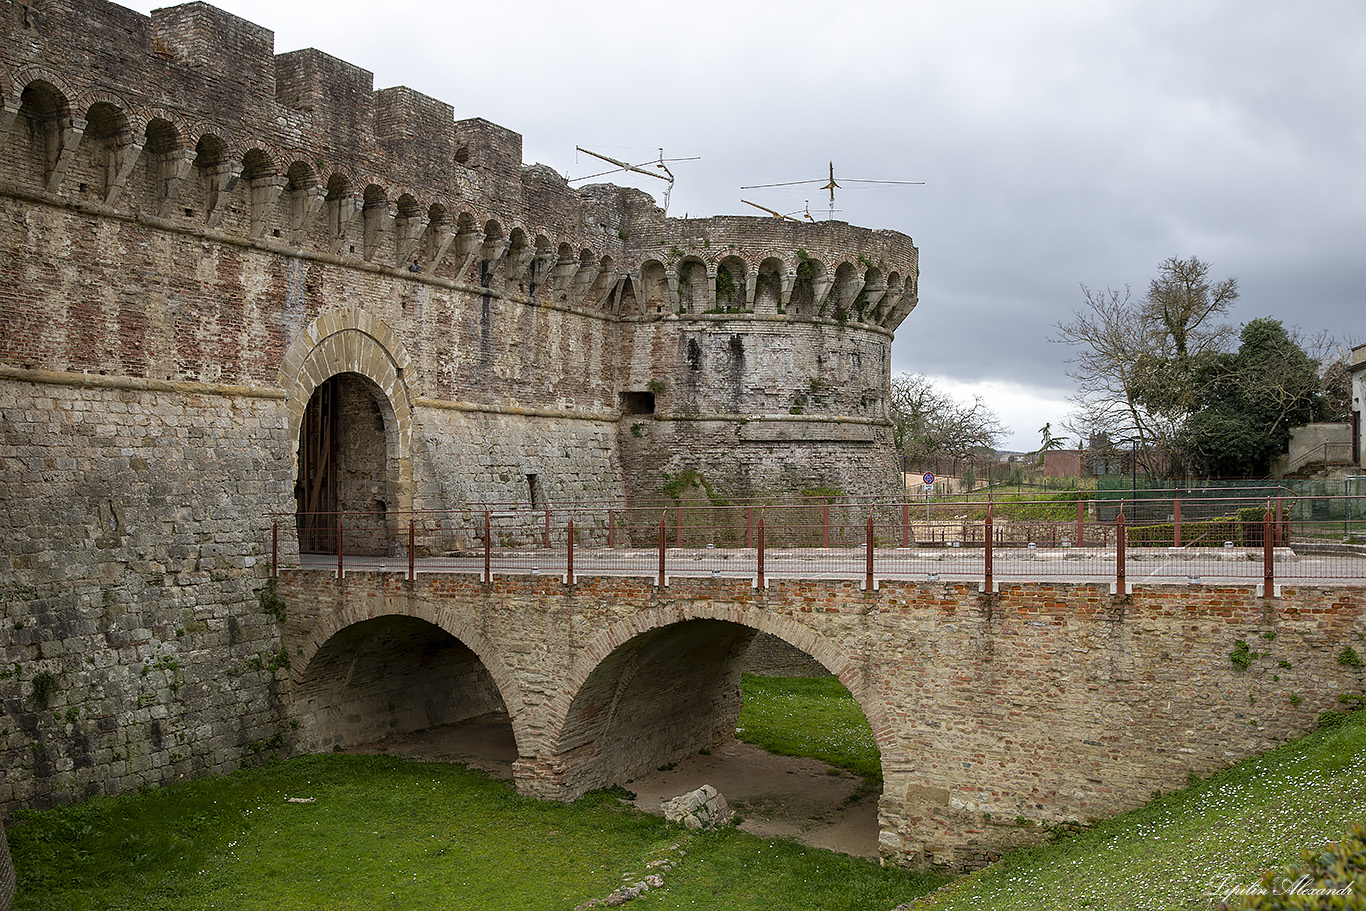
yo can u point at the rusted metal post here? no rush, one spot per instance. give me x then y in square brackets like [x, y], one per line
[1268, 554]
[761, 550]
[488, 574]
[611, 528]
[905, 524]
[546, 543]
[341, 568]
[825, 525]
[989, 538]
[569, 573]
[1081, 523]
[662, 542]
[275, 549]
[412, 567]
[1176, 522]
[868, 581]
[1119, 550]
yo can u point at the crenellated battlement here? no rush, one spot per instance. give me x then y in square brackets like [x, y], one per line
[236, 284]
[188, 119]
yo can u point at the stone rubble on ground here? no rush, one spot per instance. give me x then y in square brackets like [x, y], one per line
[703, 809]
[634, 890]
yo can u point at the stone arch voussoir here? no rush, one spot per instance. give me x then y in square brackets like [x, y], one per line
[443, 618]
[790, 631]
[28, 75]
[351, 340]
[93, 96]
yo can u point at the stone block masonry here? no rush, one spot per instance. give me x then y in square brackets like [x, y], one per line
[132, 648]
[236, 284]
[1053, 703]
[237, 287]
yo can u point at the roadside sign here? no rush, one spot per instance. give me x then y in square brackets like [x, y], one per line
[928, 479]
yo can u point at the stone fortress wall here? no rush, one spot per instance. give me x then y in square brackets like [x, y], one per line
[203, 240]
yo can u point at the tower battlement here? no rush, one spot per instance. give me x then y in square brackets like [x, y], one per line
[189, 117]
[237, 285]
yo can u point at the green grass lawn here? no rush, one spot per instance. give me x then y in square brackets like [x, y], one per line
[387, 833]
[1220, 832]
[809, 716]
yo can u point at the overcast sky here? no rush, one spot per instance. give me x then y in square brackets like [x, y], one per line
[1060, 141]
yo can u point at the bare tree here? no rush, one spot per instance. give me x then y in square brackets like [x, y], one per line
[927, 422]
[1181, 302]
[1135, 361]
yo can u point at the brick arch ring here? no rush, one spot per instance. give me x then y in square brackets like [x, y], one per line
[350, 340]
[791, 632]
[442, 618]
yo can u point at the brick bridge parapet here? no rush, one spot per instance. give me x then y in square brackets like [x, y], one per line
[1055, 703]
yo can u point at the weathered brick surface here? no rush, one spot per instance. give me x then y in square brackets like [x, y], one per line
[196, 233]
[1053, 702]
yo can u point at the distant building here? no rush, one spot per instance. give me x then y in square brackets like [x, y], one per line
[1330, 448]
[1064, 463]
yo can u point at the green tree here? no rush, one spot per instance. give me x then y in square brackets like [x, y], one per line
[1182, 301]
[1138, 362]
[1048, 442]
[1251, 398]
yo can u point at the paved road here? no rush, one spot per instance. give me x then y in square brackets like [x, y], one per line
[1142, 565]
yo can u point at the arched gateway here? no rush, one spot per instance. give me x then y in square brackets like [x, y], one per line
[350, 415]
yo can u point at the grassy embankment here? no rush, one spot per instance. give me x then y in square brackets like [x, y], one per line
[1217, 834]
[384, 833]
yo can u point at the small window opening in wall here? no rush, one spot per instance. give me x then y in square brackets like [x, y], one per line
[189, 212]
[533, 483]
[637, 403]
[275, 233]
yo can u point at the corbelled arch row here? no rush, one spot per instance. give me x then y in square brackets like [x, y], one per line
[95, 147]
[155, 163]
[663, 685]
[768, 283]
[350, 423]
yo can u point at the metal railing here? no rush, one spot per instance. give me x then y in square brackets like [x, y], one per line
[1207, 540]
[1335, 453]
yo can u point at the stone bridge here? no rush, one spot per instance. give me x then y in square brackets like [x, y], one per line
[997, 715]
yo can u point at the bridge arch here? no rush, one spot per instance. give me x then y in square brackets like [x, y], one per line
[362, 674]
[709, 638]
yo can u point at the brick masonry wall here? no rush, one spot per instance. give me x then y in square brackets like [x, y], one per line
[195, 233]
[770, 656]
[1053, 702]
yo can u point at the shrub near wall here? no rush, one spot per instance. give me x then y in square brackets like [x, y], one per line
[1206, 533]
[1244, 530]
[6, 873]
